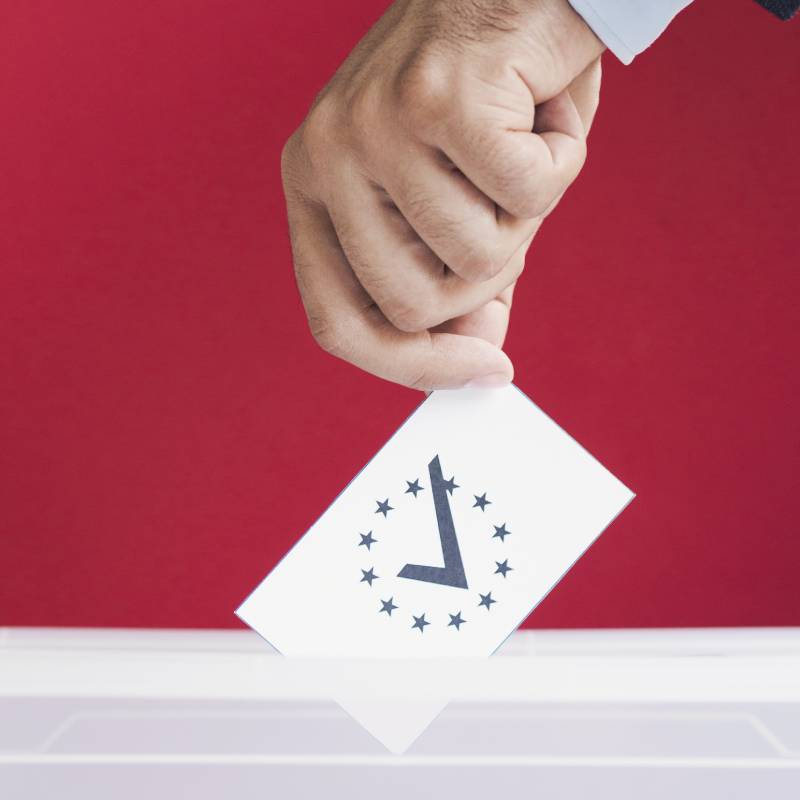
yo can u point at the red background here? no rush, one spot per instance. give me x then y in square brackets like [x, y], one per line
[167, 426]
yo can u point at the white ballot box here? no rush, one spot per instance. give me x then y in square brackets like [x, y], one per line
[555, 714]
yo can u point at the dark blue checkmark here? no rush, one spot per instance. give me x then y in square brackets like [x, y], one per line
[452, 573]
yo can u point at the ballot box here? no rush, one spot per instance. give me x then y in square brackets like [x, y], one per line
[706, 713]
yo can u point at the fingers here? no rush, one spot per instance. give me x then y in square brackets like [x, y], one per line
[522, 171]
[457, 221]
[407, 280]
[346, 322]
[396, 268]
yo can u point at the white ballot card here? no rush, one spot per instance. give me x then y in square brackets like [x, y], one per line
[438, 549]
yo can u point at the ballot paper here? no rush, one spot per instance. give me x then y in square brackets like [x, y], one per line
[437, 550]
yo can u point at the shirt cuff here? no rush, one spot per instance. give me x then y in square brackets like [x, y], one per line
[627, 27]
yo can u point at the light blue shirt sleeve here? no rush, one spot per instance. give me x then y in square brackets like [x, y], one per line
[627, 27]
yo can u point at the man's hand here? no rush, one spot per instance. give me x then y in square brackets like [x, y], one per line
[421, 174]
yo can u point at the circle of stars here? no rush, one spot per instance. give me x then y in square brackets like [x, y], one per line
[368, 576]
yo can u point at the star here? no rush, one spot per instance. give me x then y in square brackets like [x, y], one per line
[503, 568]
[456, 621]
[367, 540]
[501, 532]
[368, 576]
[481, 502]
[388, 606]
[419, 622]
[451, 485]
[486, 600]
[384, 507]
[414, 487]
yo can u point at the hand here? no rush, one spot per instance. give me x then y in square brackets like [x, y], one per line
[421, 174]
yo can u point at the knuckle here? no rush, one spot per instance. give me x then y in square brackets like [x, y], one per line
[314, 135]
[290, 160]
[363, 115]
[329, 334]
[288, 153]
[423, 89]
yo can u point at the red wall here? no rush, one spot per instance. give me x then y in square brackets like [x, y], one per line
[167, 427]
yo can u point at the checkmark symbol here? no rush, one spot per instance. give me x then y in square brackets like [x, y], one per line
[452, 573]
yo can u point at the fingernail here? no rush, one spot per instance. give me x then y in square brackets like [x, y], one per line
[494, 380]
